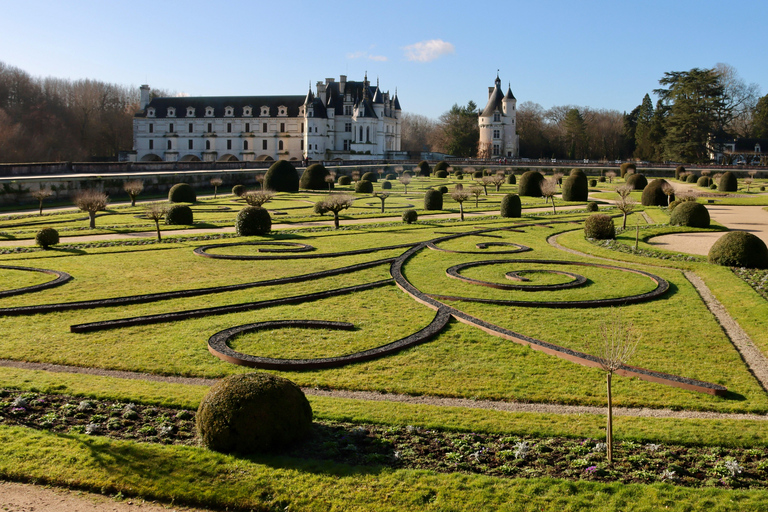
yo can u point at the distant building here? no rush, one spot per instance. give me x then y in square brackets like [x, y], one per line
[740, 152]
[498, 124]
[342, 120]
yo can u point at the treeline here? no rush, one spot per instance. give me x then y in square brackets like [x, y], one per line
[53, 119]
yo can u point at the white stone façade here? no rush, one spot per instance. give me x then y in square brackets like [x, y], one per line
[498, 125]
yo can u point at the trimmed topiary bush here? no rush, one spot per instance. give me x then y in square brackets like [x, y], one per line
[599, 226]
[442, 173]
[739, 249]
[477, 174]
[674, 204]
[704, 182]
[637, 181]
[691, 214]
[424, 169]
[691, 178]
[511, 180]
[623, 168]
[364, 187]
[344, 180]
[239, 190]
[762, 188]
[282, 177]
[602, 179]
[370, 176]
[530, 184]
[410, 216]
[433, 200]
[391, 177]
[254, 221]
[678, 171]
[182, 193]
[575, 188]
[459, 175]
[443, 189]
[653, 194]
[253, 413]
[385, 185]
[591, 206]
[511, 206]
[592, 183]
[179, 215]
[728, 182]
[713, 186]
[442, 165]
[47, 237]
[577, 172]
[313, 178]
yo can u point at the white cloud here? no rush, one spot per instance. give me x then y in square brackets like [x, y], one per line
[366, 55]
[378, 58]
[182, 95]
[426, 51]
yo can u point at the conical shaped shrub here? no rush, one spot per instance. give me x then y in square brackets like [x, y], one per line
[282, 177]
[530, 184]
[728, 183]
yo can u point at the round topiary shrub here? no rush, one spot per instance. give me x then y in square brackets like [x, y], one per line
[442, 165]
[391, 177]
[593, 183]
[443, 189]
[637, 181]
[182, 193]
[370, 176]
[313, 178]
[591, 206]
[762, 188]
[385, 185]
[442, 173]
[728, 182]
[602, 179]
[511, 206]
[238, 190]
[433, 200]
[577, 172]
[253, 221]
[511, 180]
[691, 178]
[530, 184]
[364, 187]
[623, 168]
[678, 171]
[477, 174]
[282, 177]
[599, 226]
[345, 180]
[179, 215]
[253, 413]
[575, 188]
[47, 237]
[713, 186]
[459, 175]
[653, 194]
[739, 249]
[704, 182]
[424, 169]
[691, 214]
[410, 216]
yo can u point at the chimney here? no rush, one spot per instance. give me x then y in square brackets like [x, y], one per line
[342, 83]
[144, 97]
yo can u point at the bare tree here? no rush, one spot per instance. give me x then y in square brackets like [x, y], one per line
[612, 349]
[498, 180]
[668, 190]
[41, 194]
[258, 197]
[485, 181]
[476, 191]
[334, 203]
[460, 195]
[133, 188]
[557, 177]
[216, 183]
[329, 179]
[156, 212]
[747, 181]
[610, 175]
[91, 201]
[383, 197]
[625, 204]
[548, 190]
[405, 179]
[416, 130]
[752, 173]
[260, 179]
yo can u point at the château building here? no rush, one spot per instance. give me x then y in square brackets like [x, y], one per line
[342, 120]
[498, 124]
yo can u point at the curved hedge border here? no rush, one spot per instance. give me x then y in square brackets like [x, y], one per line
[202, 251]
[520, 248]
[453, 272]
[61, 278]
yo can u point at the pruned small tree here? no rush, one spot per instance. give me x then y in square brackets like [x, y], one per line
[668, 190]
[330, 179]
[558, 178]
[625, 204]
[133, 188]
[460, 195]
[405, 179]
[610, 175]
[485, 181]
[614, 346]
[91, 201]
[383, 197]
[476, 191]
[156, 212]
[548, 190]
[335, 204]
[260, 179]
[258, 197]
[41, 194]
[498, 180]
[216, 183]
[747, 181]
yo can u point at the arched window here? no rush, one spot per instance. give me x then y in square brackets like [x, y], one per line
[245, 145]
[367, 134]
[207, 145]
[169, 144]
[280, 145]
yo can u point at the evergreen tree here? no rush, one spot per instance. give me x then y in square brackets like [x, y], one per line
[760, 118]
[630, 129]
[644, 146]
[575, 134]
[458, 133]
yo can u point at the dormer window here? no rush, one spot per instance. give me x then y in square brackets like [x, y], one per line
[301, 111]
[190, 111]
[171, 112]
[247, 111]
[281, 110]
[496, 117]
[208, 111]
[757, 148]
[150, 112]
[229, 111]
[265, 111]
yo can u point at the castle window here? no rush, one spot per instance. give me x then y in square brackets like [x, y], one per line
[151, 144]
[229, 111]
[169, 144]
[282, 127]
[210, 127]
[170, 128]
[190, 112]
[208, 111]
[229, 127]
[229, 144]
[367, 134]
[191, 128]
[263, 144]
[361, 134]
[207, 145]
[189, 144]
[302, 144]
[346, 145]
[302, 127]
[315, 129]
[171, 112]
[245, 145]
[496, 134]
[246, 111]
[280, 145]
[150, 112]
[151, 128]
[496, 117]
[347, 110]
[264, 127]
[264, 111]
[247, 127]
[496, 150]
[347, 127]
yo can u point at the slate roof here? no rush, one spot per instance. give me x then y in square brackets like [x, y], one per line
[219, 103]
[494, 101]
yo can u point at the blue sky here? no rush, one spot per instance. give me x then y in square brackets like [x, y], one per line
[601, 54]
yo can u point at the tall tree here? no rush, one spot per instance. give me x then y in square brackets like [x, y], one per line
[760, 118]
[531, 126]
[644, 146]
[739, 101]
[416, 132]
[457, 132]
[575, 135]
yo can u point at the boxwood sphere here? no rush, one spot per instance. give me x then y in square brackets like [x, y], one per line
[653, 194]
[313, 178]
[410, 216]
[591, 206]
[704, 182]
[364, 187]
[602, 179]
[182, 193]
[691, 214]
[424, 169]
[433, 200]
[511, 206]
[253, 413]
[385, 185]
[599, 226]
[442, 165]
[345, 180]
[443, 189]
[238, 190]
[691, 178]
[47, 237]
[477, 174]
[459, 175]
[678, 171]
[623, 168]
[575, 188]
[739, 249]
[592, 183]
[179, 215]
[370, 176]
[511, 180]
[577, 172]
[713, 186]
[282, 177]
[728, 183]
[442, 173]
[391, 177]
[253, 221]
[637, 181]
[530, 184]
